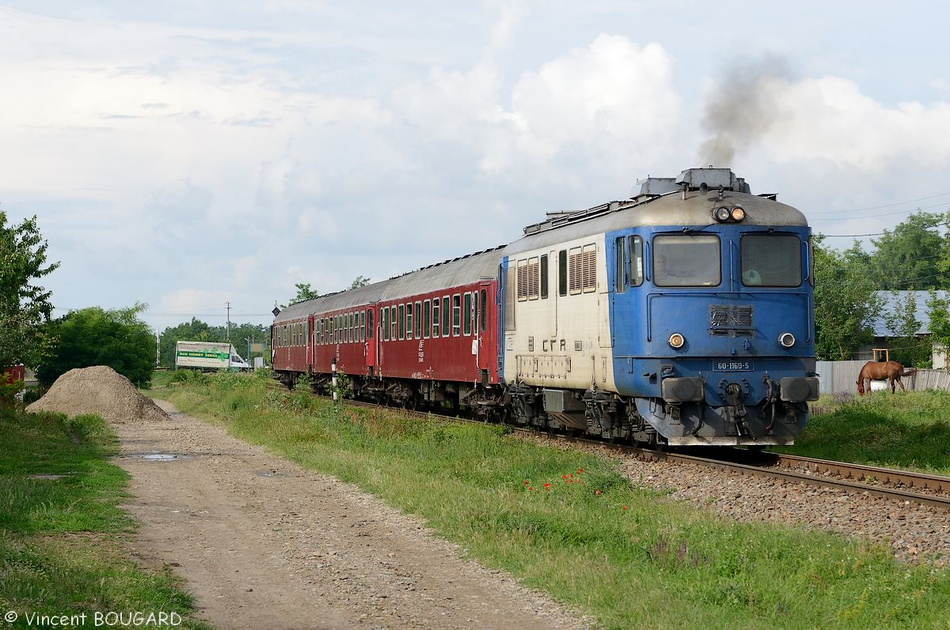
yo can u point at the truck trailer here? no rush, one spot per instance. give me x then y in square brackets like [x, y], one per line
[208, 355]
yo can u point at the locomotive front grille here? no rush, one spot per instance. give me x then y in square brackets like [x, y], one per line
[730, 320]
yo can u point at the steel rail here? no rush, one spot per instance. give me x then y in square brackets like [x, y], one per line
[773, 465]
[770, 467]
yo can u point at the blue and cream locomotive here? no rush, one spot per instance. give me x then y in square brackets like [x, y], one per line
[682, 316]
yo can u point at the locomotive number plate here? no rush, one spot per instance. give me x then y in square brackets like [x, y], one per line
[732, 366]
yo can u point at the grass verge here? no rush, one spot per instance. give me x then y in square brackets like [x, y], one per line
[570, 524]
[909, 430]
[63, 535]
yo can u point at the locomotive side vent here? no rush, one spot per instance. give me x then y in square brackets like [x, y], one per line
[730, 320]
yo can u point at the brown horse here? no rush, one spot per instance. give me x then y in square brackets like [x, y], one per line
[880, 370]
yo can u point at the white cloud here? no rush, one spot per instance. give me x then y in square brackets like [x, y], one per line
[830, 119]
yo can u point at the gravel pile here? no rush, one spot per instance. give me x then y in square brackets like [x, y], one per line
[98, 390]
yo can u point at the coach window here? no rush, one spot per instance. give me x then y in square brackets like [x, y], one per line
[456, 315]
[419, 320]
[426, 318]
[475, 312]
[369, 324]
[401, 319]
[562, 272]
[467, 314]
[408, 321]
[384, 323]
[393, 324]
[771, 260]
[446, 316]
[686, 260]
[435, 317]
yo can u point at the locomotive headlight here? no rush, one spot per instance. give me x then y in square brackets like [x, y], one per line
[676, 341]
[786, 340]
[728, 214]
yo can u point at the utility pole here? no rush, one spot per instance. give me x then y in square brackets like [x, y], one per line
[227, 332]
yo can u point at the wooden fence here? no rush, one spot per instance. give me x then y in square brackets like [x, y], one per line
[841, 376]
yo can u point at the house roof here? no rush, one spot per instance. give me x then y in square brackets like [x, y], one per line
[894, 302]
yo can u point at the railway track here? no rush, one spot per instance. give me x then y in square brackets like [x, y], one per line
[900, 485]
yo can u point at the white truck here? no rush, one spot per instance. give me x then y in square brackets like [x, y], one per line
[208, 355]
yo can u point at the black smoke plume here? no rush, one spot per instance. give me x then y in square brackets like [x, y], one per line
[741, 109]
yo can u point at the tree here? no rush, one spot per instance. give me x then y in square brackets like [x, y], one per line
[903, 323]
[359, 281]
[24, 306]
[304, 292]
[939, 312]
[909, 258]
[93, 336]
[845, 303]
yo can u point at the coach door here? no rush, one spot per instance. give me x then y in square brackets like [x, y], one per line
[484, 326]
[371, 337]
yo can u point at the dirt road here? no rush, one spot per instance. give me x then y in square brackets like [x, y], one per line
[263, 543]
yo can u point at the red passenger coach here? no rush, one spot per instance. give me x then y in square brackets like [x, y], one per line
[425, 338]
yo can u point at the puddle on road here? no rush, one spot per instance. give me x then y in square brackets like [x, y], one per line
[158, 457]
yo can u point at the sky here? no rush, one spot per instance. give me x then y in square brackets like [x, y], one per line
[203, 158]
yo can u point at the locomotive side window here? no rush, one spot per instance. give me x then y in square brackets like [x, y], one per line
[635, 260]
[562, 273]
[771, 260]
[685, 260]
[544, 278]
[622, 265]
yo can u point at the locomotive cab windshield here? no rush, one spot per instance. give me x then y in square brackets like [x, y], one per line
[772, 260]
[686, 260]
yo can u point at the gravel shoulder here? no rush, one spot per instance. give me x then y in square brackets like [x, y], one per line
[263, 543]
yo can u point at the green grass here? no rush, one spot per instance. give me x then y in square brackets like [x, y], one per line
[62, 533]
[909, 430]
[572, 525]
